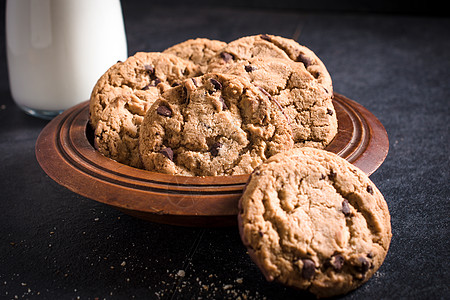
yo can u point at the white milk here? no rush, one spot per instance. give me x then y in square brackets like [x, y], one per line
[58, 49]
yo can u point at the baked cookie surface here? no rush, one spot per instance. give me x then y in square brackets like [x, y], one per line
[199, 51]
[212, 125]
[271, 46]
[304, 101]
[122, 96]
[313, 221]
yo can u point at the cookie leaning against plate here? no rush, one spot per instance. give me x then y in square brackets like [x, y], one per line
[199, 51]
[122, 96]
[313, 221]
[303, 99]
[272, 46]
[212, 125]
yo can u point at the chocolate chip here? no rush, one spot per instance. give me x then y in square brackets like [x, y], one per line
[309, 268]
[337, 262]
[304, 59]
[265, 37]
[214, 149]
[329, 112]
[167, 152]
[322, 177]
[152, 83]
[175, 84]
[363, 265]
[224, 106]
[226, 56]
[164, 111]
[346, 208]
[156, 82]
[370, 189]
[332, 175]
[186, 99]
[250, 68]
[186, 72]
[217, 85]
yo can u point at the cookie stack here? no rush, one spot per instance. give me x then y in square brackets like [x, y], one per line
[208, 108]
[259, 105]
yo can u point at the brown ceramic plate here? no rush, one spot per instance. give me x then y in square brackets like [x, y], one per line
[65, 151]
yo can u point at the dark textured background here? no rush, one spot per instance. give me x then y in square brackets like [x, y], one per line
[391, 58]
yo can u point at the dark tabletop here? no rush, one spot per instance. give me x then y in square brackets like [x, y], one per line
[55, 244]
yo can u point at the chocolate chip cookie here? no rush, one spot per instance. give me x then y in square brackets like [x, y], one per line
[271, 46]
[122, 96]
[313, 221]
[302, 98]
[212, 125]
[199, 51]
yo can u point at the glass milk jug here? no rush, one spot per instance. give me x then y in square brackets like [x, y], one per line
[58, 49]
